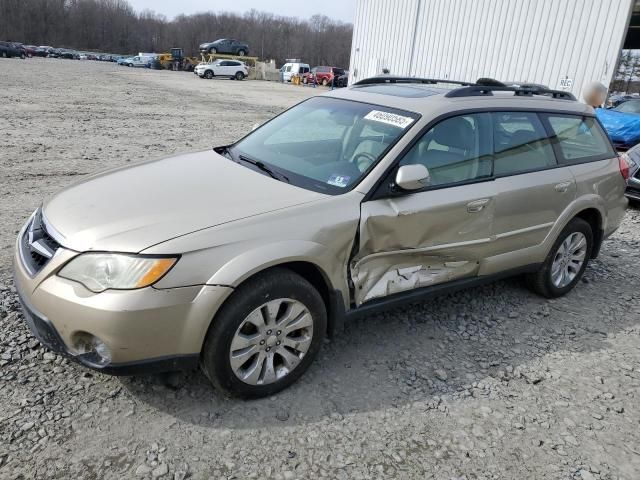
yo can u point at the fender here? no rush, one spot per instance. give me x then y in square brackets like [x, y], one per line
[243, 266]
[584, 202]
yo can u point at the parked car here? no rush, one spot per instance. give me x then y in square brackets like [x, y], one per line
[123, 60]
[30, 50]
[342, 80]
[136, 61]
[10, 49]
[42, 51]
[222, 68]
[290, 69]
[615, 100]
[632, 156]
[54, 53]
[241, 259]
[68, 54]
[622, 123]
[323, 75]
[227, 46]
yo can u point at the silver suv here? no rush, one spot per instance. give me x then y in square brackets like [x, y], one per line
[242, 258]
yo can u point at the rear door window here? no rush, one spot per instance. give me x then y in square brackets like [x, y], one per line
[579, 139]
[521, 143]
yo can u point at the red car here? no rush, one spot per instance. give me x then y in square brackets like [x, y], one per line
[323, 75]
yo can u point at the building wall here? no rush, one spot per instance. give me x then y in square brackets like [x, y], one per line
[537, 41]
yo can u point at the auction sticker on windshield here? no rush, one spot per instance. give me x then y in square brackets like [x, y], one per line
[389, 118]
[339, 180]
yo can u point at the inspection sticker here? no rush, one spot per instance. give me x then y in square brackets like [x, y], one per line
[389, 118]
[339, 180]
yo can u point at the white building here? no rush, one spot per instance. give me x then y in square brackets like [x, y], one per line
[563, 44]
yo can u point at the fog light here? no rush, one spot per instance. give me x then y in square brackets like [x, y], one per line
[92, 348]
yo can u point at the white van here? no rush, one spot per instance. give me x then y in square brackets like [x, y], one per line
[290, 69]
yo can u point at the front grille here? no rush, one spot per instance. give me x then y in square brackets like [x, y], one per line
[37, 247]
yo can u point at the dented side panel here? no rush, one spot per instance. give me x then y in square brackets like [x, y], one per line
[421, 239]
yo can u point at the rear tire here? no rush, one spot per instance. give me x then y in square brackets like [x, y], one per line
[561, 259]
[324, 82]
[277, 343]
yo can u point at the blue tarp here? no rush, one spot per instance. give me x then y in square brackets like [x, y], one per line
[623, 128]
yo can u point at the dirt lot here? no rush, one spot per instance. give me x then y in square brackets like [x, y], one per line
[490, 383]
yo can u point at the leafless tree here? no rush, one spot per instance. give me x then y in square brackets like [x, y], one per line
[113, 26]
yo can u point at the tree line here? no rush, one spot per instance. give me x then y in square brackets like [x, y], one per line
[113, 26]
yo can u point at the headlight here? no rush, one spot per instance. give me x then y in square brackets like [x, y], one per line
[102, 271]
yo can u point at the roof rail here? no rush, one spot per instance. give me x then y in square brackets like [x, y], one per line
[392, 79]
[524, 91]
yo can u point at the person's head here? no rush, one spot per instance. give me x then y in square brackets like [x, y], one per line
[595, 94]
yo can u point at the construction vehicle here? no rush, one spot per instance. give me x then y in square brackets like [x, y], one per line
[212, 57]
[175, 60]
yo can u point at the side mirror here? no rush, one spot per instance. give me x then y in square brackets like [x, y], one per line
[412, 177]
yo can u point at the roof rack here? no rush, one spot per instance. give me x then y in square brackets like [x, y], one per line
[392, 79]
[524, 91]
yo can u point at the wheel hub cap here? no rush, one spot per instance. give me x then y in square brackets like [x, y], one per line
[271, 341]
[569, 259]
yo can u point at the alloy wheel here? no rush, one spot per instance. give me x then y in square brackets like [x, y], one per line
[569, 259]
[271, 341]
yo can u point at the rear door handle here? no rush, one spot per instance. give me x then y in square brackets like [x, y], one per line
[562, 187]
[477, 205]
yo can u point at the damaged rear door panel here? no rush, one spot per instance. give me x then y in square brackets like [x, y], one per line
[422, 239]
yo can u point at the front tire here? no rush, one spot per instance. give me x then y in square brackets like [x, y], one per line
[239, 76]
[213, 50]
[566, 262]
[208, 75]
[241, 53]
[265, 336]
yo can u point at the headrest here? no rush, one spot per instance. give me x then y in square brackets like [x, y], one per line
[455, 132]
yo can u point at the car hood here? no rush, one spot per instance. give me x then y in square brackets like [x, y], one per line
[132, 208]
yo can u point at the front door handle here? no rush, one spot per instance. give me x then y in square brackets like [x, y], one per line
[562, 187]
[477, 205]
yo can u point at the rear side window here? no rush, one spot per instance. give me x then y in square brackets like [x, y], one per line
[520, 143]
[579, 139]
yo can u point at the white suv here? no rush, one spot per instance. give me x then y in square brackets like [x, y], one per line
[222, 68]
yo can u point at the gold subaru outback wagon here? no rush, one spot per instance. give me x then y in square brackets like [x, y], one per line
[241, 259]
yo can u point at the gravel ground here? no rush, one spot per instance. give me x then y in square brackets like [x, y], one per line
[489, 383]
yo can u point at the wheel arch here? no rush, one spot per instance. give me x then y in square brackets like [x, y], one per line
[316, 276]
[594, 218]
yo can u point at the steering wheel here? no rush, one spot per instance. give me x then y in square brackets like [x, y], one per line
[363, 160]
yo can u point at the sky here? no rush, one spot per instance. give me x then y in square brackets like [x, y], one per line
[337, 9]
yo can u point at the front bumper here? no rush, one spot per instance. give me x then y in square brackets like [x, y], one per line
[146, 330]
[46, 333]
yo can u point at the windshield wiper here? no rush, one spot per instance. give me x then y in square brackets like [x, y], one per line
[264, 168]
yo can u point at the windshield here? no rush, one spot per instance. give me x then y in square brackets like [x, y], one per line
[630, 106]
[325, 144]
